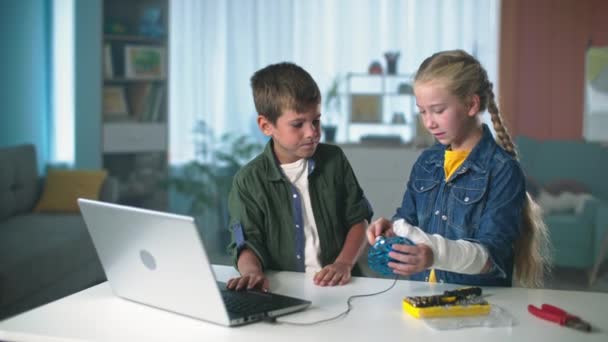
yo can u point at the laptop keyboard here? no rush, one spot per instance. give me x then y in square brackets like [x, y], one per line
[245, 302]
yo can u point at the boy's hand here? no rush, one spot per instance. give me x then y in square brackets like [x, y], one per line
[252, 275]
[379, 227]
[248, 281]
[334, 274]
[413, 259]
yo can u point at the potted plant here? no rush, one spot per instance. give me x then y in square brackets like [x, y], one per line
[206, 181]
[332, 104]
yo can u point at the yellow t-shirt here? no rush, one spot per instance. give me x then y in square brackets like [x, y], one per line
[453, 160]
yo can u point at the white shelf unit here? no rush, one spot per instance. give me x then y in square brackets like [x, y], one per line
[380, 105]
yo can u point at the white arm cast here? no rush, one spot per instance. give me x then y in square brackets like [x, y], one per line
[459, 256]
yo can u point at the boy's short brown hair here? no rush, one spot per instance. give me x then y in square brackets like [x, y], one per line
[283, 86]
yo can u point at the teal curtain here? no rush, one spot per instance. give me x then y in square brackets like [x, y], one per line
[25, 74]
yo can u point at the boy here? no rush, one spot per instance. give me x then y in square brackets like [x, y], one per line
[297, 206]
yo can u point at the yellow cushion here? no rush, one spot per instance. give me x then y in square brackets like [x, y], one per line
[63, 187]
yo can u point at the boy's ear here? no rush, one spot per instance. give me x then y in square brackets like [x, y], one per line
[265, 125]
[473, 105]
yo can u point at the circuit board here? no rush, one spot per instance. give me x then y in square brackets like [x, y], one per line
[466, 301]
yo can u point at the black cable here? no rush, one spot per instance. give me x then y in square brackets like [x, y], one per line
[340, 315]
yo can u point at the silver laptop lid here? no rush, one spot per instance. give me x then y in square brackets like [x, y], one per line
[154, 258]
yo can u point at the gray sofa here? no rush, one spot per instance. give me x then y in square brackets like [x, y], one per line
[43, 256]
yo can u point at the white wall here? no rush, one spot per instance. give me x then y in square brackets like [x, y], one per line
[382, 172]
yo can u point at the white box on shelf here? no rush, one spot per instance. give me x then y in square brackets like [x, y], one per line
[134, 137]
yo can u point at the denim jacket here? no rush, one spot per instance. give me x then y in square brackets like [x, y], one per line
[482, 202]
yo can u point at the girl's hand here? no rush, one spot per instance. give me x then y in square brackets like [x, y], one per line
[248, 281]
[334, 274]
[379, 227]
[412, 259]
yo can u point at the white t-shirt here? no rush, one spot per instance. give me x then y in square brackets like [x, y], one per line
[297, 173]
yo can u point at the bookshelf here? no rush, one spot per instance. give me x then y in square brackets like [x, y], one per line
[135, 99]
[381, 108]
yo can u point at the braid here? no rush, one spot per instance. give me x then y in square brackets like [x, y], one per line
[532, 259]
[502, 135]
[532, 248]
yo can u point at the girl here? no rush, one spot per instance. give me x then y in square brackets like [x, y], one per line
[465, 205]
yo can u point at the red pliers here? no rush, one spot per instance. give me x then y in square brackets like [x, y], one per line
[559, 316]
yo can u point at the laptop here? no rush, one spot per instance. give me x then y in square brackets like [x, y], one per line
[159, 259]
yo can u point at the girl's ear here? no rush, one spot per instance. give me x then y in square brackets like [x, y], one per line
[473, 105]
[265, 125]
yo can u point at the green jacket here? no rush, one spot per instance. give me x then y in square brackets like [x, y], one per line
[261, 208]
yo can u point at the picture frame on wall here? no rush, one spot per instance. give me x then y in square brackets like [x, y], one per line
[114, 102]
[366, 108]
[144, 62]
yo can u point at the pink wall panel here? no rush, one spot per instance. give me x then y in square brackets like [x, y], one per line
[599, 22]
[543, 46]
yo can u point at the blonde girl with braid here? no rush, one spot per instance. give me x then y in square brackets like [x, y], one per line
[465, 205]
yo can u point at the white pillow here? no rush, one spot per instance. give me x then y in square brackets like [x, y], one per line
[563, 202]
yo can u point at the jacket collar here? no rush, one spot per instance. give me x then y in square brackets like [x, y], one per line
[479, 158]
[275, 173]
[481, 155]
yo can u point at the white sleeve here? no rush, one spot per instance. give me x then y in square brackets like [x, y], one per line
[459, 256]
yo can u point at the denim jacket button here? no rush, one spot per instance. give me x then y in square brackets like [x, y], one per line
[443, 217]
[466, 199]
[436, 212]
[421, 188]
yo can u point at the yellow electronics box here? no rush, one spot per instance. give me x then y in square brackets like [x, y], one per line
[457, 303]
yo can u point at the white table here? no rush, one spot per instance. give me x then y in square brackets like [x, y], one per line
[96, 314]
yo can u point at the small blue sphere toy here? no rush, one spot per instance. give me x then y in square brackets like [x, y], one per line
[377, 257]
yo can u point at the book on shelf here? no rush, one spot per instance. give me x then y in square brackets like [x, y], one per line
[147, 101]
[108, 68]
[156, 104]
[114, 103]
[137, 94]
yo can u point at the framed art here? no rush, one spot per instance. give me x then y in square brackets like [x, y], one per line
[366, 108]
[114, 102]
[144, 62]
